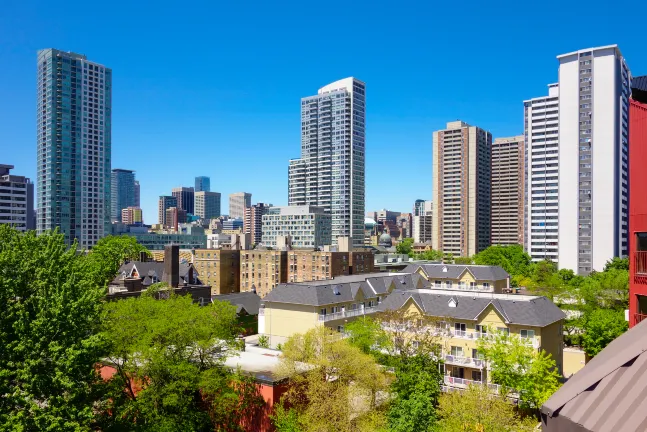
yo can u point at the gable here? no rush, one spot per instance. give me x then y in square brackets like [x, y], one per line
[411, 307]
[491, 317]
[422, 273]
[419, 285]
[467, 276]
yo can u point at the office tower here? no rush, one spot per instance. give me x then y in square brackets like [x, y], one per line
[132, 215]
[165, 202]
[185, 198]
[508, 189]
[137, 194]
[16, 200]
[175, 216]
[541, 133]
[122, 192]
[202, 184]
[330, 172]
[238, 202]
[594, 87]
[423, 223]
[307, 226]
[74, 110]
[418, 207]
[461, 185]
[253, 224]
[207, 204]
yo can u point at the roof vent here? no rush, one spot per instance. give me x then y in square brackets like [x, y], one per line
[444, 269]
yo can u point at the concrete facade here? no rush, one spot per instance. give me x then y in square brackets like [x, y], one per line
[238, 202]
[207, 204]
[16, 200]
[307, 226]
[508, 190]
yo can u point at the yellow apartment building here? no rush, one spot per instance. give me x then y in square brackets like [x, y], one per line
[219, 268]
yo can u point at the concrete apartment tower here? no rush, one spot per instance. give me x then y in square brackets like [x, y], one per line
[253, 223]
[508, 189]
[461, 187]
[331, 171]
[541, 202]
[594, 88]
[123, 192]
[423, 222]
[17, 200]
[73, 130]
[238, 202]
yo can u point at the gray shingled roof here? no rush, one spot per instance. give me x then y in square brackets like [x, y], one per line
[454, 271]
[151, 268]
[248, 301]
[316, 294]
[539, 311]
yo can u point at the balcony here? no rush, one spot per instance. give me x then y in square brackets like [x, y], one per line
[346, 314]
[466, 334]
[464, 361]
[464, 383]
[640, 267]
[639, 317]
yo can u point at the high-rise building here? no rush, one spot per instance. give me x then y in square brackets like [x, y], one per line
[207, 204]
[253, 224]
[541, 134]
[461, 185]
[307, 226]
[331, 172]
[137, 194]
[238, 202]
[423, 223]
[123, 194]
[165, 202]
[508, 189]
[185, 198]
[594, 88]
[74, 111]
[132, 215]
[418, 207]
[16, 200]
[175, 216]
[202, 184]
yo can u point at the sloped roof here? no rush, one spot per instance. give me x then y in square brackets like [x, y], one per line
[608, 394]
[248, 301]
[454, 271]
[535, 311]
[151, 268]
[316, 294]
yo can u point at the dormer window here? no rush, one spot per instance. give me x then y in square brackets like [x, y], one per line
[444, 269]
[452, 302]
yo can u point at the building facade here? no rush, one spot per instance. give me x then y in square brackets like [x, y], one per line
[123, 193]
[185, 197]
[74, 112]
[331, 171]
[219, 268]
[418, 207]
[165, 202]
[238, 202]
[131, 216]
[157, 241]
[307, 226]
[202, 184]
[461, 184]
[322, 265]
[207, 204]
[175, 216]
[541, 200]
[253, 224]
[508, 190]
[137, 194]
[594, 87]
[16, 200]
[262, 270]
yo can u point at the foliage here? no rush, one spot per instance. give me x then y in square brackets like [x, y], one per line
[520, 368]
[430, 255]
[110, 253]
[477, 410]
[511, 258]
[405, 246]
[463, 260]
[602, 326]
[335, 387]
[617, 263]
[543, 273]
[408, 333]
[263, 341]
[366, 334]
[169, 376]
[285, 419]
[49, 341]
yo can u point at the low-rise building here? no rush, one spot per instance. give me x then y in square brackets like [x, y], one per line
[473, 278]
[131, 216]
[16, 200]
[322, 265]
[307, 226]
[219, 268]
[262, 270]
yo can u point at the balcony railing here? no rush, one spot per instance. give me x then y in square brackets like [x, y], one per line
[464, 361]
[639, 317]
[346, 314]
[640, 262]
[464, 383]
[466, 334]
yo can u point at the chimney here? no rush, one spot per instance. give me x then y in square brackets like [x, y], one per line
[172, 265]
[143, 257]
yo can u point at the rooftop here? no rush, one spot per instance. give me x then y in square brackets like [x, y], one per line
[590, 49]
[260, 363]
[454, 271]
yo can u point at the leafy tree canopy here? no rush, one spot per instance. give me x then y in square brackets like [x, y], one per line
[105, 258]
[601, 326]
[405, 246]
[511, 258]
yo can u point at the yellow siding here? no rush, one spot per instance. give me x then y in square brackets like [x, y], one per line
[552, 338]
[467, 277]
[287, 319]
[574, 360]
[491, 318]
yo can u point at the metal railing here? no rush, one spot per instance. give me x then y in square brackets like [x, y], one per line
[464, 361]
[639, 317]
[346, 314]
[464, 383]
[640, 262]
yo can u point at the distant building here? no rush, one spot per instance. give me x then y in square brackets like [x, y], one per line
[175, 216]
[207, 204]
[16, 200]
[508, 190]
[308, 226]
[418, 207]
[238, 202]
[165, 202]
[157, 241]
[262, 270]
[321, 265]
[253, 224]
[131, 216]
[185, 198]
[219, 268]
[137, 194]
[202, 184]
[461, 216]
[122, 192]
[232, 225]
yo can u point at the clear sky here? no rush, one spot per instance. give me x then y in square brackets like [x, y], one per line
[213, 88]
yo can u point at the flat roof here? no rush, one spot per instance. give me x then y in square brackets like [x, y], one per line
[590, 49]
[261, 363]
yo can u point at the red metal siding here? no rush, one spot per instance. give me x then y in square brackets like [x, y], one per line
[637, 200]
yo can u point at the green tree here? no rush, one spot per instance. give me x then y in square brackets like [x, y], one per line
[601, 326]
[49, 340]
[463, 260]
[168, 355]
[105, 258]
[366, 334]
[285, 419]
[430, 255]
[543, 274]
[519, 368]
[617, 263]
[405, 246]
[477, 410]
[511, 258]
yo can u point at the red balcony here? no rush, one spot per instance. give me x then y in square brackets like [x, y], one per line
[640, 262]
[639, 317]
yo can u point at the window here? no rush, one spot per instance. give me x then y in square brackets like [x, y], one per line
[322, 311]
[472, 285]
[459, 329]
[480, 328]
[476, 376]
[486, 285]
[457, 351]
[503, 330]
[448, 284]
[437, 284]
[527, 334]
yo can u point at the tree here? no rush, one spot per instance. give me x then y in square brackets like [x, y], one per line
[334, 385]
[463, 260]
[477, 410]
[520, 369]
[169, 375]
[617, 263]
[285, 419]
[430, 255]
[405, 246]
[511, 258]
[49, 340]
[544, 272]
[602, 326]
[408, 334]
[366, 334]
[105, 258]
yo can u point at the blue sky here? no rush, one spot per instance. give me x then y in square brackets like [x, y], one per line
[213, 88]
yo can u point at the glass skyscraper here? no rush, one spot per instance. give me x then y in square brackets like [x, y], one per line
[123, 193]
[331, 172]
[74, 104]
[202, 184]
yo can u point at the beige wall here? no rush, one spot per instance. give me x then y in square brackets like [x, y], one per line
[574, 360]
[284, 320]
[552, 341]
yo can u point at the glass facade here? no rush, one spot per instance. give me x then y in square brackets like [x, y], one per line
[123, 193]
[202, 184]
